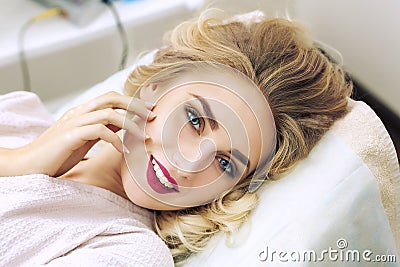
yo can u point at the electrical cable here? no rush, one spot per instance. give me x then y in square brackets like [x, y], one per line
[26, 79]
[58, 11]
[122, 33]
[21, 40]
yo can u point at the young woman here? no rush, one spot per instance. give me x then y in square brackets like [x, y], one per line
[223, 105]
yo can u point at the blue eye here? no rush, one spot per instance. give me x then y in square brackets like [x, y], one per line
[194, 119]
[226, 166]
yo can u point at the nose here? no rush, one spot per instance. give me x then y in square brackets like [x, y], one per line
[199, 159]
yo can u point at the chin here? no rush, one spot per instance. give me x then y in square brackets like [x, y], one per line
[140, 198]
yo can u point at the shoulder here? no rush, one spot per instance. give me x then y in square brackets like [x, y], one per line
[149, 250]
[122, 244]
[85, 225]
[140, 244]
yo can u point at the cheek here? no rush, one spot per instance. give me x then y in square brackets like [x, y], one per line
[169, 130]
[188, 143]
[153, 128]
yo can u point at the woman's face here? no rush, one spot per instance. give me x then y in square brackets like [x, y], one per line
[205, 139]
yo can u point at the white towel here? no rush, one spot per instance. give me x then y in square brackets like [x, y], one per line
[23, 117]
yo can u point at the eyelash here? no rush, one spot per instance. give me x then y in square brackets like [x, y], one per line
[191, 115]
[230, 173]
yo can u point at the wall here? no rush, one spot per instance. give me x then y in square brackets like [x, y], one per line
[367, 34]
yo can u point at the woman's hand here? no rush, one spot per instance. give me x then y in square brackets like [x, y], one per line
[64, 144]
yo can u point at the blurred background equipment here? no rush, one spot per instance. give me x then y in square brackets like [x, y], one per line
[65, 59]
[79, 12]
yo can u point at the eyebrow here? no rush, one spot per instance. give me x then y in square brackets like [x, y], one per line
[210, 116]
[214, 125]
[241, 157]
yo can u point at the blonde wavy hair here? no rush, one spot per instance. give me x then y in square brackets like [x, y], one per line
[306, 90]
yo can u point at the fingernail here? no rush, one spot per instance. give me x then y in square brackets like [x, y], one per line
[152, 115]
[147, 137]
[149, 105]
[126, 150]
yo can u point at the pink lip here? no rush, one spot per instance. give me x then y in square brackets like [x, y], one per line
[155, 184]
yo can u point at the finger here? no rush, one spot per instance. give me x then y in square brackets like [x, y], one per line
[99, 131]
[142, 109]
[72, 113]
[115, 100]
[110, 117]
[149, 105]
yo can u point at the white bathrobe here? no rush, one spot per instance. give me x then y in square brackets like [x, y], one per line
[57, 222]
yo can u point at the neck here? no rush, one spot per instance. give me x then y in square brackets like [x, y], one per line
[102, 170]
